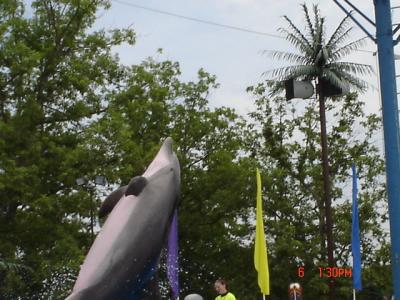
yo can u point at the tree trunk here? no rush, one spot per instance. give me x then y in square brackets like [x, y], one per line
[327, 194]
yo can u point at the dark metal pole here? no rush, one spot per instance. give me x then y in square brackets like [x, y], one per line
[327, 192]
[390, 115]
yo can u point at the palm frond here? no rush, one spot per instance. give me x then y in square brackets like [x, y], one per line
[323, 56]
[347, 49]
[297, 42]
[337, 43]
[310, 26]
[317, 23]
[295, 72]
[333, 78]
[354, 82]
[295, 32]
[320, 32]
[316, 15]
[341, 32]
[287, 56]
[353, 68]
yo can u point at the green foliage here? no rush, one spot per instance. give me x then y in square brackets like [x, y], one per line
[54, 77]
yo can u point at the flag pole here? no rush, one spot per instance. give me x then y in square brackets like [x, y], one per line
[354, 294]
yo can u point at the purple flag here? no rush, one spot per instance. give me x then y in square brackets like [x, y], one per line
[172, 259]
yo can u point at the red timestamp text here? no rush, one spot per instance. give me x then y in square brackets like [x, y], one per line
[335, 272]
[328, 272]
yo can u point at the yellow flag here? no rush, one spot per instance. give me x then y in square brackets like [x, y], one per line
[260, 251]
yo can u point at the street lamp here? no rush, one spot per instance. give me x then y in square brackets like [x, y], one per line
[98, 180]
[304, 89]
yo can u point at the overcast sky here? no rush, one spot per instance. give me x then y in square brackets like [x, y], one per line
[234, 56]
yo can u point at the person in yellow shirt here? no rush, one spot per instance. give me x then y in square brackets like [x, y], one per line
[221, 287]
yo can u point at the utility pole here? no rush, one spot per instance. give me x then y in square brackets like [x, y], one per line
[303, 89]
[390, 112]
[327, 186]
[385, 41]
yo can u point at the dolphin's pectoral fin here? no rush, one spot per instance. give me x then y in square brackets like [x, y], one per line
[136, 186]
[111, 200]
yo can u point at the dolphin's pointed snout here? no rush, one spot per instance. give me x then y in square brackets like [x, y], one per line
[163, 158]
[167, 146]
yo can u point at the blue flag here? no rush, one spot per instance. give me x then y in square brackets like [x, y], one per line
[355, 237]
[172, 257]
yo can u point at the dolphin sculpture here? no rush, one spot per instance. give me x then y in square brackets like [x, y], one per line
[123, 260]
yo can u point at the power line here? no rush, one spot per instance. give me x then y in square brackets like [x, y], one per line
[163, 12]
[198, 20]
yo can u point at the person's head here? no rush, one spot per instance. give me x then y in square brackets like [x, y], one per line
[221, 286]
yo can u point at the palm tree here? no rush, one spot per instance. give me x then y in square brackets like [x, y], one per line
[320, 59]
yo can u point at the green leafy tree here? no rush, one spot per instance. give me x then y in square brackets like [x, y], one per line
[54, 77]
[215, 198]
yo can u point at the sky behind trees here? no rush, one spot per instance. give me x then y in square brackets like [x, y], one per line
[234, 56]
